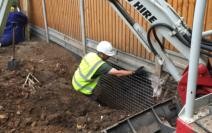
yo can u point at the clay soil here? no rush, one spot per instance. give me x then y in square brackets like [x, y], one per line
[50, 106]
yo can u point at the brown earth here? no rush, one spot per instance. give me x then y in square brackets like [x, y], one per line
[52, 106]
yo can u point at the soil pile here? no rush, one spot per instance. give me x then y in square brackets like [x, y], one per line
[46, 102]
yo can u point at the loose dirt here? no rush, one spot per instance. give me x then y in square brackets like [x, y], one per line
[50, 106]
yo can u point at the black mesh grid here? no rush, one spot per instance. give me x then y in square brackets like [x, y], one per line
[131, 93]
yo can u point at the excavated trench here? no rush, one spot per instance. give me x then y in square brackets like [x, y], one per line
[132, 93]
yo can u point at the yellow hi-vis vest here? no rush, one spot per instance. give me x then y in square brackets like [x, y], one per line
[81, 80]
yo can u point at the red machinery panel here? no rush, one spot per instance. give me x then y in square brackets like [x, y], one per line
[204, 83]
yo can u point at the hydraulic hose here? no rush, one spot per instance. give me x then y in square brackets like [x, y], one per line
[206, 48]
[118, 5]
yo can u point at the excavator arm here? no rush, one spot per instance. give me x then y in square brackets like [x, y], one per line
[166, 23]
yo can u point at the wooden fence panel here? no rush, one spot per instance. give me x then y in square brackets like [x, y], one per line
[64, 16]
[36, 16]
[102, 23]
[208, 17]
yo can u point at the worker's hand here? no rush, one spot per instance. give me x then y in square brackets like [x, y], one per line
[139, 71]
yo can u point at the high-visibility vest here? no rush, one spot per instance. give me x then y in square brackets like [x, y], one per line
[82, 80]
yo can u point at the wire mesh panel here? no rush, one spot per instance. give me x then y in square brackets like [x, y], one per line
[131, 93]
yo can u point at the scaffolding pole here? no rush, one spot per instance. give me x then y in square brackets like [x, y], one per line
[194, 59]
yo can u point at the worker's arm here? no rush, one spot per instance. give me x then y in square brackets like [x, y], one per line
[119, 73]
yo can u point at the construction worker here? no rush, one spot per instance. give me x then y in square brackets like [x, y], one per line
[92, 66]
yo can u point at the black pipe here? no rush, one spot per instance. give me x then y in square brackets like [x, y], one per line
[178, 35]
[118, 5]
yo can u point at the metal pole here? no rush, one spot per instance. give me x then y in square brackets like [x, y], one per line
[194, 58]
[45, 20]
[207, 33]
[26, 10]
[82, 20]
[13, 41]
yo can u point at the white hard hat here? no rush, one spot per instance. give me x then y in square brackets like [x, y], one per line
[106, 48]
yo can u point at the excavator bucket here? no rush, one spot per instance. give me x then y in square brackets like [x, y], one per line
[160, 118]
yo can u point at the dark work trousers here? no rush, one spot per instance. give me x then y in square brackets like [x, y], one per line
[93, 97]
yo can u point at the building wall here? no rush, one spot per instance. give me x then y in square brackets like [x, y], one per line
[102, 23]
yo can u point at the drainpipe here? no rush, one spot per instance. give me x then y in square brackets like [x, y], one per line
[82, 20]
[45, 20]
[194, 59]
[207, 33]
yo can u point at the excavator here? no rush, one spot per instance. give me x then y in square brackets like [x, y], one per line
[194, 84]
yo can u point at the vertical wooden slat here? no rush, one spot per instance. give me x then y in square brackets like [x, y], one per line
[77, 21]
[179, 7]
[76, 16]
[110, 23]
[92, 20]
[98, 7]
[205, 17]
[120, 32]
[113, 21]
[61, 15]
[100, 19]
[104, 19]
[115, 30]
[138, 45]
[107, 15]
[87, 23]
[191, 12]
[69, 23]
[56, 15]
[89, 17]
[72, 16]
[21, 3]
[95, 19]
[125, 41]
[104, 16]
[133, 46]
[72, 10]
[140, 49]
[52, 16]
[120, 22]
[185, 10]
[209, 16]
[78, 30]
[65, 18]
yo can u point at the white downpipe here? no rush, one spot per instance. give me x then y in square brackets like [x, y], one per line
[194, 58]
[45, 20]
